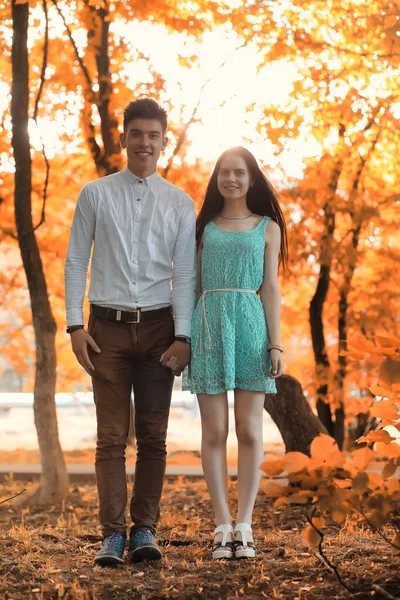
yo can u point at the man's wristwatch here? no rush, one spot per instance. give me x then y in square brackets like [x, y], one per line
[182, 338]
[73, 328]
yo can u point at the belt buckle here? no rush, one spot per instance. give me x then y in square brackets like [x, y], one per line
[137, 320]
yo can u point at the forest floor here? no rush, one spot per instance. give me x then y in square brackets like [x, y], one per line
[49, 554]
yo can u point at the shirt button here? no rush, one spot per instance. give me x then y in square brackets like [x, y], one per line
[140, 181]
[137, 220]
[137, 199]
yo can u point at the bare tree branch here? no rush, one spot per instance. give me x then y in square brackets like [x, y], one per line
[370, 524]
[320, 554]
[79, 58]
[325, 45]
[193, 118]
[383, 592]
[36, 111]
[12, 497]
[35, 115]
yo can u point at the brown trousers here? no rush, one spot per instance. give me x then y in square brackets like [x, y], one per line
[130, 358]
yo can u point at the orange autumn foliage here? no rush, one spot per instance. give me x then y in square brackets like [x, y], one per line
[331, 483]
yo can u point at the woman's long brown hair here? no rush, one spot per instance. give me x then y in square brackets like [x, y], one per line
[261, 199]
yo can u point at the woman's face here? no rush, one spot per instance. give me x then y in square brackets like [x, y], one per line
[233, 178]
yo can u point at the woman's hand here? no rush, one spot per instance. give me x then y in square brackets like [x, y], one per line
[277, 364]
[176, 357]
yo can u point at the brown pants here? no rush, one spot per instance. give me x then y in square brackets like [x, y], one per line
[130, 358]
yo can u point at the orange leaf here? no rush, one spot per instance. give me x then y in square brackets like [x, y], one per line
[340, 514]
[325, 451]
[389, 21]
[299, 498]
[390, 351]
[361, 458]
[388, 341]
[295, 461]
[392, 485]
[319, 522]
[391, 450]
[361, 345]
[342, 483]
[311, 537]
[389, 469]
[272, 467]
[275, 490]
[384, 410]
[309, 481]
[378, 390]
[375, 480]
[376, 436]
[353, 354]
[281, 502]
[356, 352]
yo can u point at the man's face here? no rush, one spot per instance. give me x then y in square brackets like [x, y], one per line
[143, 140]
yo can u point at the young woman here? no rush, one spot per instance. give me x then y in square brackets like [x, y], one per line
[241, 237]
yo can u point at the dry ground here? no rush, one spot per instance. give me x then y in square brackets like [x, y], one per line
[49, 554]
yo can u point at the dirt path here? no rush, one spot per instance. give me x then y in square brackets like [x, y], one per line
[49, 555]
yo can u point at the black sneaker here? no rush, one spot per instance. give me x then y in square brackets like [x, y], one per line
[112, 550]
[142, 546]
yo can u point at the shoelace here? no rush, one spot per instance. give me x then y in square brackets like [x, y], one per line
[146, 535]
[115, 541]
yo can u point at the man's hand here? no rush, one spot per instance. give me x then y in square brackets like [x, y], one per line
[80, 341]
[176, 357]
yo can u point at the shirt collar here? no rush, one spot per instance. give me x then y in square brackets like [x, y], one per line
[132, 178]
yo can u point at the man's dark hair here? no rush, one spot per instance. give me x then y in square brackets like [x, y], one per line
[145, 108]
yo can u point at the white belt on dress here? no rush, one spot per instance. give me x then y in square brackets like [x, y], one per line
[204, 312]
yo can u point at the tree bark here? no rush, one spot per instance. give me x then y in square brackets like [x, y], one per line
[292, 415]
[319, 347]
[109, 159]
[319, 298]
[54, 478]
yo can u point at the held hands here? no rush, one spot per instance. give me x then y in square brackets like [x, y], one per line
[80, 341]
[176, 357]
[277, 364]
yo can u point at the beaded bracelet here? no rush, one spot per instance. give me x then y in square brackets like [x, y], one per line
[280, 348]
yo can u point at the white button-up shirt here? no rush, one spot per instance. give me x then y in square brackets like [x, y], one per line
[144, 240]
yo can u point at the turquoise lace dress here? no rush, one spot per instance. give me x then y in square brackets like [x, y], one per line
[229, 332]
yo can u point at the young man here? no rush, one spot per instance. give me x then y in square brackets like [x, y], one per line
[143, 233]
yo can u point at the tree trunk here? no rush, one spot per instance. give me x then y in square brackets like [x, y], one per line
[54, 479]
[108, 159]
[318, 300]
[292, 415]
[320, 354]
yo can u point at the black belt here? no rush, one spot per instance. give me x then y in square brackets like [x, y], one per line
[129, 316]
